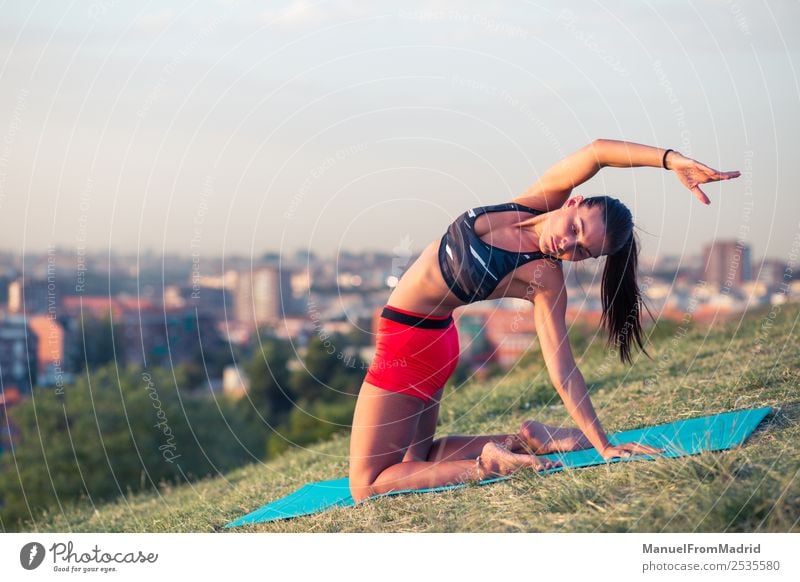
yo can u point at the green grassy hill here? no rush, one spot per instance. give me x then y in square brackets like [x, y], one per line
[695, 371]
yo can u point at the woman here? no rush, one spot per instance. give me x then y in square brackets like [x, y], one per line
[504, 250]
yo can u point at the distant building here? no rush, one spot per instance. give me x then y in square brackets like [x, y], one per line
[512, 332]
[235, 332]
[33, 296]
[100, 307]
[215, 301]
[295, 327]
[226, 281]
[161, 337]
[18, 349]
[494, 333]
[774, 272]
[50, 352]
[5, 283]
[263, 296]
[301, 282]
[727, 264]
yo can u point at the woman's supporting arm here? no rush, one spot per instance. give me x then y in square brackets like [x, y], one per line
[549, 311]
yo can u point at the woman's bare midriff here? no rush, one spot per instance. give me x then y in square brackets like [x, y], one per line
[422, 288]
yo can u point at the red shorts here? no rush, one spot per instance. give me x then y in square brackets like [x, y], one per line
[414, 354]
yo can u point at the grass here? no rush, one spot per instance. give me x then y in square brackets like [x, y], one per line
[695, 371]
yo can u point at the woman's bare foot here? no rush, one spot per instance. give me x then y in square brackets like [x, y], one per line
[543, 439]
[496, 460]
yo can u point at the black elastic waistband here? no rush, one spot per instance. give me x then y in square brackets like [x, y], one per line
[416, 320]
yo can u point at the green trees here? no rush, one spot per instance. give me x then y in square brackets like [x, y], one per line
[270, 394]
[108, 435]
[94, 343]
[121, 429]
[322, 392]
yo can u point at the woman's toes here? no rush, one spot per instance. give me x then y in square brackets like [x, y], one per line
[547, 464]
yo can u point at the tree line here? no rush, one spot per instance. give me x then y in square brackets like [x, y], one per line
[122, 430]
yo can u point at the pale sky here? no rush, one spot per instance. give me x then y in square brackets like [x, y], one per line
[230, 128]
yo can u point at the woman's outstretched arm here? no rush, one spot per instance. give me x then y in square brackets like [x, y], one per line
[691, 173]
[553, 189]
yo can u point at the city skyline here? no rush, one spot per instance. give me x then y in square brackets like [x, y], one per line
[231, 129]
[231, 307]
[270, 256]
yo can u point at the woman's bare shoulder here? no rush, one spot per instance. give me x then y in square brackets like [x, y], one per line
[542, 275]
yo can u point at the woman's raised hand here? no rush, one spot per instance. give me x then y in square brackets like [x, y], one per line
[691, 173]
[627, 449]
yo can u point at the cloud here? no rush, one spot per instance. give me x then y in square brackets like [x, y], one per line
[155, 21]
[302, 13]
[296, 14]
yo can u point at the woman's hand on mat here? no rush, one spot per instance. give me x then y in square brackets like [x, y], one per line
[627, 449]
[691, 173]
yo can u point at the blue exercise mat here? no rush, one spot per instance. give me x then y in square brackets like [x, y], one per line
[685, 437]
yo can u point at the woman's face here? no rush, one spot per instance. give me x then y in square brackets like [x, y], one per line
[573, 233]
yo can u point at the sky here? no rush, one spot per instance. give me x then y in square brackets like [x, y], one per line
[228, 127]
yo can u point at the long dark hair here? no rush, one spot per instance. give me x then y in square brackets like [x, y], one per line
[620, 294]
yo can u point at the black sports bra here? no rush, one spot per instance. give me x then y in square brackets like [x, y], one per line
[470, 267]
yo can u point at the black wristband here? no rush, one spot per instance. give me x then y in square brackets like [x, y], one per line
[664, 159]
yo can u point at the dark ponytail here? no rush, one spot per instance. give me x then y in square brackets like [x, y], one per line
[620, 294]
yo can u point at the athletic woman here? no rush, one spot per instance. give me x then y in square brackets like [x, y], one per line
[513, 249]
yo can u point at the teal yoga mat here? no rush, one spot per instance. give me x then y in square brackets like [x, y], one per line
[685, 437]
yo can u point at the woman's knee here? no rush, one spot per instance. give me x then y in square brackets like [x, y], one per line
[359, 493]
[384, 425]
[361, 484]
